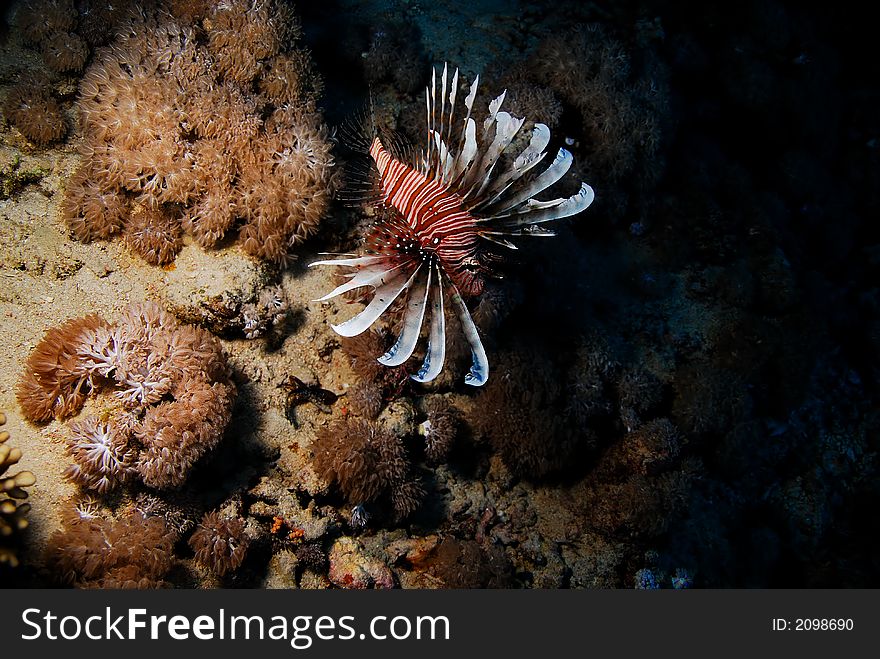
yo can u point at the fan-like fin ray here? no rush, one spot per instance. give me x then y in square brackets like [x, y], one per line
[468, 150]
[479, 372]
[359, 260]
[435, 355]
[565, 208]
[525, 161]
[506, 128]
[445, 160]
[385, 295]
[453, 90]
[544, 180]
[416, 304]
[375, 275]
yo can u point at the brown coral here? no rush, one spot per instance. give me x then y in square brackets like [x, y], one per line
[528, 415]
[13, 515]
[202, 136]
[54, 383]
[64, 52]
[220, 544]
[65, 33]
[376, 384]
[154, 235]
[366, 399]
[171, 382]
[368, 463]
[90, 551]
[31, 106]
[439, 429]
[39, 19]
[91, 210]
[176, 434]
[652, 448]
[102, 456]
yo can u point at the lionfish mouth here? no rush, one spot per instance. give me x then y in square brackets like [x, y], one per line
[446, 209]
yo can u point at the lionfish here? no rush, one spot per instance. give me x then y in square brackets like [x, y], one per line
[460, 196]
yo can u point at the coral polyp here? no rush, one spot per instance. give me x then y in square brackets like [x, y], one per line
[166, 387]
[189, 127]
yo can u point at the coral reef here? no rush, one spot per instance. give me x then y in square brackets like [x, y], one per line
[653, 447]
[351, 568]
[93, 551]
[368, 463]
[166, 386]
[269, 311]
[102, 455]
[13, 515]
[31, 106]
[65, 32]
[686, 388]
[212, 138]
[220, 544]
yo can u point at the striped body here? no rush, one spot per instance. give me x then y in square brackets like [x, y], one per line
[436, 222]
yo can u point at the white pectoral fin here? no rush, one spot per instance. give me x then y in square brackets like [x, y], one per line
[412, 324]
[479, 372]
[436, 352]
[374, 275]
[382, 299]
[545, 211]
[359, 260]
[544, 180]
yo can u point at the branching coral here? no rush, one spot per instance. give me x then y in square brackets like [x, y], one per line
[13, 515]
[368, 464]
[220, 544]
[91, 551]
[168, 389]
[31, 106]
[202, 136]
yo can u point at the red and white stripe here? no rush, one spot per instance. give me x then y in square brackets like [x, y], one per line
[433, 213]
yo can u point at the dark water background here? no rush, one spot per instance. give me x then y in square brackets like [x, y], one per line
[749, 263]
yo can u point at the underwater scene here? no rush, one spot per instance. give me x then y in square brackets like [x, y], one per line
[410, 294]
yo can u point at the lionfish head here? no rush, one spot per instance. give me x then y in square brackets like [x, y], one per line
[444, 214]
